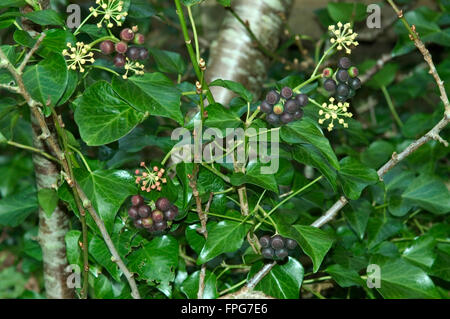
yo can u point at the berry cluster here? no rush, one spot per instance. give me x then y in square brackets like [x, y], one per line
[344, 82]
[283, 107]
[156, 220]
[126, 55]
[276, 247]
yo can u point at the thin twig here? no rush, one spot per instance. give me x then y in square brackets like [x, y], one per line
[30, 53]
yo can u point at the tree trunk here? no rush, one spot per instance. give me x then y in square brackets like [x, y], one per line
[234, 56]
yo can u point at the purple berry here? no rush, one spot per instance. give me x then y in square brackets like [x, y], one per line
[119, 61]
[272, 97]
[127, 34]
[163, 204]
[344, 63]
[302, 99]
[161, 225]
[107, 47]
[139, 38]
[172, 213]
[264, 241]
[265, 107]
[137, 200]
[286, 92]
[133, 213]
[143, 54]
[144, 211]
[291, 106]
[277, 242]
[157, 216]
[133, 53]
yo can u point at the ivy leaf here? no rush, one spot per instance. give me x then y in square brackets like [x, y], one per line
[223, 237]
[358, 216]
[354, 177]
[306, 131]
[384, 77]
[195, 240]
[183, 169]
[99, 251]
[421, 251]
[103, 117]
[225, 3]
[377, 154]
[345, 277]
[45, 17]
[14, 209]
[380, 229]
[221, 117]
[73, 250]
[254, 176]
[168, 61]
[48, 200]
[283, 281]
[235, 87]
[156, 260]
[12, 3]
[430, 193]
[347, 11]
[47, 80]
[190, 285]
[107, 189]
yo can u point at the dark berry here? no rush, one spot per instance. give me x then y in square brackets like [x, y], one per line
[143, 54]
[157, 216]
[119, 60]
[163, 204]
[281, 253]
[290, 243]
[267, 253]
[278, 109]
[330, 85]
[286, 118]
[138, 223]
[273, 119]
[344, 63]
[127, 34]
[107, 47]
[147, 222]
[342, 89]
[265, 107]
[161, 225]
[137, 200]
[139, 38]
[121, 47]
[264, 241]
[342, 75]
[351, 93]
[144, 211]
[302, 99]
[353, 72]
[298, 115]
[272, 97]
[172, 213]
[277, 242]
[291, 106]
[133, 212]
[327, 72]
[286, 92]
[341, 98]
[355, 83]
[133, 53]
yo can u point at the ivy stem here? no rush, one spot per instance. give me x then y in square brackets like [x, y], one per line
[194, 31]
[82, 24]
[233, 287]
[33, 149]
[322, 59]
[391, 106]
[311, 79]
[83, 159]
[109, 37]
[217, 172]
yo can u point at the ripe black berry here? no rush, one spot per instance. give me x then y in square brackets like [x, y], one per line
[342, 89]
[144, 211]
[121, 47]
[127, 34]
[119, 61]
[290, 243]
[286, 92]
[137, 200]
[267, 252]
[107, 47]
[291, 106]
[277, 242]
[265, 107]
[344, 63]
[172, 213]
[133, 212]
[281, 253]
[302, 99]
[341, 98]
[330, 85]
[139, 38]
[133, 53]
[351, 93]
[163, 204]
[342, 75]
[298, 114]
[273, 119]
[272, 97]
[355, 83]
[157, 216]
[353, 72]
[161, 225]
[138, 223]
[143, 54]
[264, 241]
[147, 222]
[286, 118]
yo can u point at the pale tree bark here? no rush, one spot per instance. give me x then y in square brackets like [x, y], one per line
[234, 55]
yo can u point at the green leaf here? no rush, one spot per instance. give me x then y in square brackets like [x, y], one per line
[195, 240]
[100, 252]
[223, 237]
[358, 216]
[107, 190]
[344, 11]
[283, 281]
[183, 169]
[48, 200]
[3, 139]
[55, 41]
[140, 9]
[380, 229]
[103, 117]
[235, 87]
[253, 175]
[221, 117]
[225, 3]
[47, 80]
[441, 266]
[307, 131]
[345, 277]
[45, 17]
[191, 284]
[73, 250]
[430, 193]
[377, 154]
[12, 3]
[12, 283]
[156, 261]
[168, 61]
[400, 280]
[384, 77]
[189, 3]
[421, 251]
[354, 177]
[14, 209]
